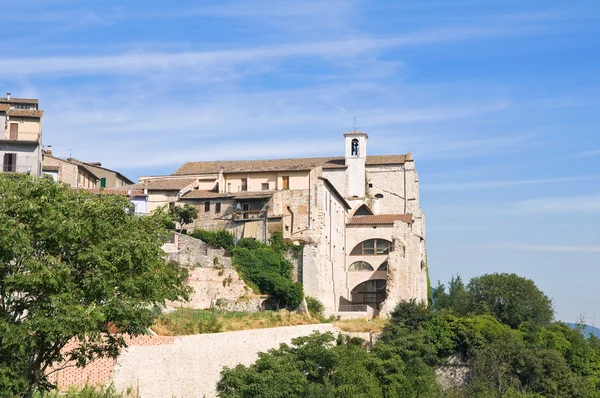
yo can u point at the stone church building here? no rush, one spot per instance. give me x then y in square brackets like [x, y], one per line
[358, 217]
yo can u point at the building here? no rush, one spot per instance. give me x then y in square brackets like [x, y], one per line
[21, 140]
[358, 217]
[80, 174]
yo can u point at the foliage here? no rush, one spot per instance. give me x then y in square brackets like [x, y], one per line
[73, 264]
[89, 392]
[266, 268]
[534, 359]
[183, 214]
[508, 297]
[186, 321]
[314, 306]
[362, 325]
[219, 238]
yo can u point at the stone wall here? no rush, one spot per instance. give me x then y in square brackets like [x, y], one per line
[211, 276]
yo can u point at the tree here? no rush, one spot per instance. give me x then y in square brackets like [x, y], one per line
[183, 214]
[75, 268]
[510, 298]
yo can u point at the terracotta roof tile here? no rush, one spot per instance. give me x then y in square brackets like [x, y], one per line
[24, 113]
[200, 194]
[296, 164]
[19, 100]
[4, 107]
[125, 191]
[50, 168]
[253, 194]
[380, 219]
[168, 184]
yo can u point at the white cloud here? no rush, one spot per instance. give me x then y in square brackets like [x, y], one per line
[567, 204]
[532, 204]
[586, 154]
[538, 248]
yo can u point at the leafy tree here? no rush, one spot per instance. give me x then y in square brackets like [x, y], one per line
[74, 268]
[510, 298]
[183, 214]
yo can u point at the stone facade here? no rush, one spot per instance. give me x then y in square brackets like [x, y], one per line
[358, 217]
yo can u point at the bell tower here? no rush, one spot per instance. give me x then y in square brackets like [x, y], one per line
[356, 159]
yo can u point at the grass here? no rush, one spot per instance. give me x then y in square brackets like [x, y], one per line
[186, 321]
[89, 392]
[361, 325]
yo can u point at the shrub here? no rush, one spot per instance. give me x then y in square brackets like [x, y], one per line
[314, 306]
[220, 238]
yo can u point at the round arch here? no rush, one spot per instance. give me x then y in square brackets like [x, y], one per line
[372, 247]
[371, 292]
[360, 266]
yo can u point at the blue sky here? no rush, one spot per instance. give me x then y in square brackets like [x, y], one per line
[497, 100]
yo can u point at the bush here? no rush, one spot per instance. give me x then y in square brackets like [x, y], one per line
[314, 306]
[220, 238]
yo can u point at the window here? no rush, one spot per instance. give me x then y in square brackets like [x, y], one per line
[379, 196]
[383, 267]
[218, 207]
[372, 247]
[207, 207]
[244, 184]
[371, 292]
[14, 131]
[285, 182]
[245, 209]
[360, 266]
[355, 147]
[264, 186]
[103, 182]
[9, 164]
[363, 211]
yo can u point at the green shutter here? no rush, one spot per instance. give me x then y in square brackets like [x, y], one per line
[103, 183]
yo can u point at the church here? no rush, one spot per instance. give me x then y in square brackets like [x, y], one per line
[358, 217]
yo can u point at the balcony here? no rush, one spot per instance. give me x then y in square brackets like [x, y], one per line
[242, 215]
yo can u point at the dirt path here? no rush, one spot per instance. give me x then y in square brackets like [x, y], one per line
[191, 366]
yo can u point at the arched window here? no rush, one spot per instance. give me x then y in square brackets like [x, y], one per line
[372, 247]
[360, 266]
[383, 267]
[371, 292]
[363, 211]
[355, 147]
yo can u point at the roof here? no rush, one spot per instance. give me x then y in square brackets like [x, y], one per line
[19, 100]
[167, 184]
[4, 107]
[254, 194]
[200, 194]
[24, 113]
[294, 164]
[380, 219]
[125, 191]
[50, 168]
[99, 165]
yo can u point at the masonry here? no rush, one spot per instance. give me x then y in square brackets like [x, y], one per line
[358, 217]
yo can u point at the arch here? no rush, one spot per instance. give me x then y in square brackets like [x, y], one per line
[372, 247]
[371, 292]
[363, 210]
[354, 147]
[360, 266]
[383, 266]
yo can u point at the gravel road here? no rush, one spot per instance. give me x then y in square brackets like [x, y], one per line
[190, 367]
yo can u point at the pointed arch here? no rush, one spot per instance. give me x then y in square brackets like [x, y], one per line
[363, 210]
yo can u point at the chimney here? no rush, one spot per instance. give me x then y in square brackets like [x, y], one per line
[8, 96]
[49, 150]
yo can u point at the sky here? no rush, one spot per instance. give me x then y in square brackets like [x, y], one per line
[498, 101]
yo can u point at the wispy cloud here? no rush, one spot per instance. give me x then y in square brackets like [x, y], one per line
[475, 185]
[571, 204]
[538, 248]
[586, 154]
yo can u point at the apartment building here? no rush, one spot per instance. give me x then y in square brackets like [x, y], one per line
[21, 139]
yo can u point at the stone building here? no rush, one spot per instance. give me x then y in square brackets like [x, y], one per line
[358, 217]
[21, 137]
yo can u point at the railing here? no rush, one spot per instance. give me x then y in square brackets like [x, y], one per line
[249, 214]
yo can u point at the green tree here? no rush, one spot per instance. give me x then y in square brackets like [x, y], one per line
[74, 268]
[183, 214]
[510, 298]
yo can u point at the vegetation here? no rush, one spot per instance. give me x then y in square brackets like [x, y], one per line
[220, 238]
[186, 321]
[314, 306]
[89, 392]
[73, 265]
[183, 214]
[362, 325]
[534, 358]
